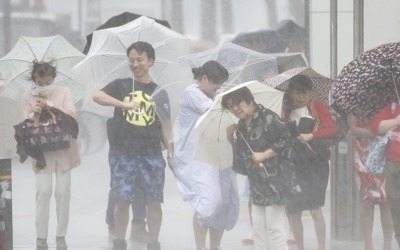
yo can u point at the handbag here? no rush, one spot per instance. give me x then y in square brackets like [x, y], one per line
[46, 133]
[376, 158]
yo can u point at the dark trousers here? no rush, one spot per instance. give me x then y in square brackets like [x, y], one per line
[138, 211]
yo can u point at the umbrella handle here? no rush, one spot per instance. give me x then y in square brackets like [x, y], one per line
[261, 165]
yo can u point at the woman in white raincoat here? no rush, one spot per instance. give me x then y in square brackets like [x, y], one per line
[212, 193]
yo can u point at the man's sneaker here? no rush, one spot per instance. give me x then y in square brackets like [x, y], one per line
[154, 245]
[61, 244]
[41, 244]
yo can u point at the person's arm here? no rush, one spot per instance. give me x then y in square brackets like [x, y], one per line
[327, 126]
[238, 161]
[386, 125]
[104, 99]
[384, 120]
[356, 130]
[259, 157]
[230, 130]
[167, 135]
[28, 109]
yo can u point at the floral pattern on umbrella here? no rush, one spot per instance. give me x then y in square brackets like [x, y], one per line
[321, 84]
[369, 82]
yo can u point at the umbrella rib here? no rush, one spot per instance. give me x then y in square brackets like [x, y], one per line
[163, 87]
[219, 138]
[29, 46]
[66, 75]
[12, 59]
[21, 73]
[47, 49]
[123, 45]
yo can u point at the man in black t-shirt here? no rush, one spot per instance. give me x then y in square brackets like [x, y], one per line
[135, 132]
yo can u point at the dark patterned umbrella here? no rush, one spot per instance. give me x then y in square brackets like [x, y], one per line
[116, 21]
[321, 84]
[370, 81]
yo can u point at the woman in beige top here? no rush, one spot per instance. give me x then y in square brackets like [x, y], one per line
[60, 162]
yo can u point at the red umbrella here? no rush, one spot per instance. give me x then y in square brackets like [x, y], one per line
[369, 82]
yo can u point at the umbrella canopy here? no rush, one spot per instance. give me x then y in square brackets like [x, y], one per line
[212, 145]
[9, 116]
[116, 21]
[370, 81]
[16, 66]
[287, 61]
[294, 36]
[321, 84]
[107, 59]
[264, 41]
[242, 64]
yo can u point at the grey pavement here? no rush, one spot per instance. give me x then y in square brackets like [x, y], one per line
[87, 228]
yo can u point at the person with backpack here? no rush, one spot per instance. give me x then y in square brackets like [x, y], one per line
[314, 126]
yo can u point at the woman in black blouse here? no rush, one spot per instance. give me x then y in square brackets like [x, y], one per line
[262, 146]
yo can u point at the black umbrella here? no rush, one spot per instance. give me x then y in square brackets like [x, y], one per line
[116, 21]
[264, 41]
[293, 35]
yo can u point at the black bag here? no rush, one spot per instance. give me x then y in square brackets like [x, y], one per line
[46, 133]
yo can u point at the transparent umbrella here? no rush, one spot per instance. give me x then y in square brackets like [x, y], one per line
[212, 146]
[15, 66]
[107, 59]
[243, 64]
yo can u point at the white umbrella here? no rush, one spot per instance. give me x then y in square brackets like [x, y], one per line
[10, 115]
[243, 64]
[107, 59]
[16, 66]
[212, 145]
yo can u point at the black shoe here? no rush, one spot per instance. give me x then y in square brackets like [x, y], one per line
[119, 245]
[154, 245]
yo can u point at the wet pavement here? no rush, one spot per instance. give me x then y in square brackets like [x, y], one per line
[87, 228]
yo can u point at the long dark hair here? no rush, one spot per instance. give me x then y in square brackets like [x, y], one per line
[299, 83]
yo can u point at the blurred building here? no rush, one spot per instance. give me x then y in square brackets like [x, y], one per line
[31, 18]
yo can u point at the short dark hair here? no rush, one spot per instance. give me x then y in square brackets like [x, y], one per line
[300, 83]
[213, 70]
[42, 69]
[141, 47]
[236, 97]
